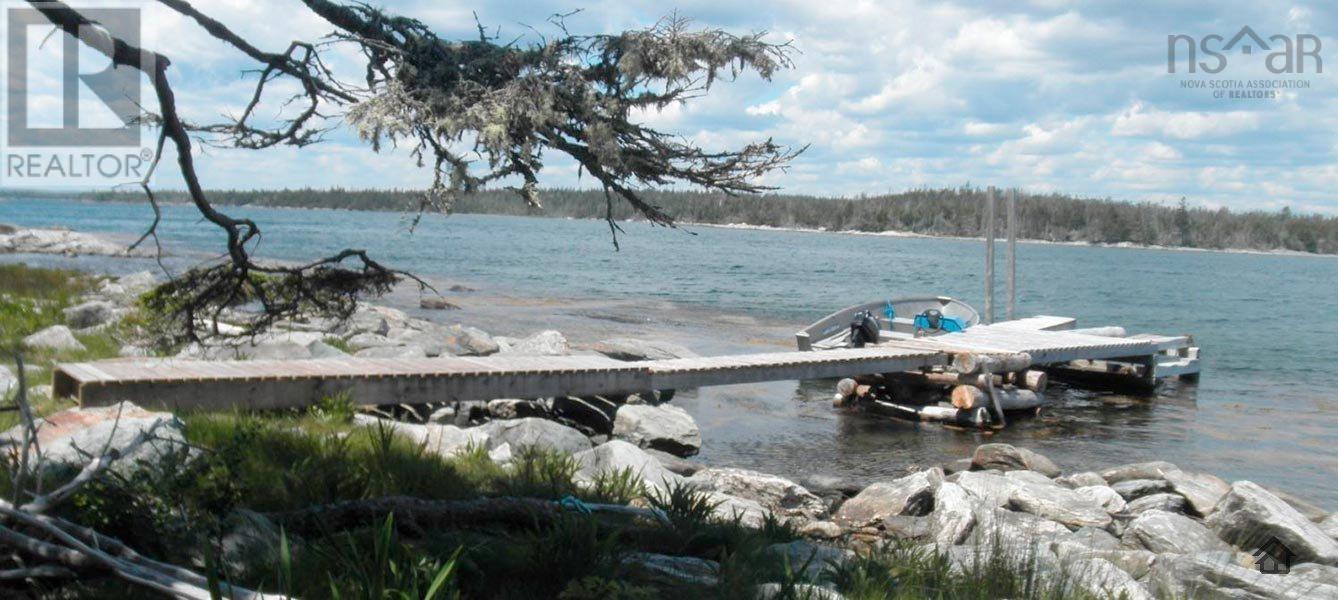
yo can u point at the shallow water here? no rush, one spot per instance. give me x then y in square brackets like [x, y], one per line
[1265, 410]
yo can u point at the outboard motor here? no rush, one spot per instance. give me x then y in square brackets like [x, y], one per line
[863, 330]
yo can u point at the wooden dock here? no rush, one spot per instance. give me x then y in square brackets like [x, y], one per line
[264, 384]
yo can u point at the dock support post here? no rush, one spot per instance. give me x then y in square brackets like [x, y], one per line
[1012, 254]
[989, 255]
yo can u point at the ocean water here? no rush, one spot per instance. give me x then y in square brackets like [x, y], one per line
[1266, 408]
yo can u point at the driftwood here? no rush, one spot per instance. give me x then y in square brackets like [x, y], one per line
[970, 363]
[1009, 398]
[416, 516]
[978, 417]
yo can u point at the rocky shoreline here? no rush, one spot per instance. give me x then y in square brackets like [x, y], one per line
[1142, 530]
[15, 240]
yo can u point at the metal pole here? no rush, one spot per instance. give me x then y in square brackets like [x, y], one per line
[1012, 254]
[989, 255]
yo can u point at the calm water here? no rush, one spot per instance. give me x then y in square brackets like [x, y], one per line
[1265, 410]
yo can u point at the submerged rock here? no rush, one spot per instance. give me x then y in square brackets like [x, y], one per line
[1249, 516]
[633, 349]
[777, 494]
[663, 427]
[1006, 457]
[437, 303]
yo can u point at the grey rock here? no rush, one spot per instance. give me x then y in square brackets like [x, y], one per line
[987, 488]
[960, 465]
[633, 349]
[56, 337]
[1216, 577]
[666, 570]
[502, 454]
[1003, 527]
[732, 508]
[1330, 525]
[1103, 579]
[409, 351]
[442, 440]
[1307, 509]
[1145, 470]
[139, 283]
[1132, 489]
[277, 350]
[1136, 563]
[953, 514]
[133, 351]
[1029, 476]
[1083, 479]
[533, 432]
[72, 438]
[40, 391]
[1174, 503]
[1093, 538]
[1059, 504]
[616, 455]
[813, 560]
[362, 341]
[664, 427]
[1108, 498]
[8, 381]
[1248, 516]
[544, 343]
[777, 494]
[1316, 573]
[1160, 531]
[513, 408]
[907, 527]
[1005, 457]
[1201, 490]
[459, 340]
[249, 543]
[909, 495]
[675, 464]
[89, 314]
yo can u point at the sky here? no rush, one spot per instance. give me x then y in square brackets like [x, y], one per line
[1047, 96]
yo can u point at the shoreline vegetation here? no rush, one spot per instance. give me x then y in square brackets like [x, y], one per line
[938, 212]
[514, 498]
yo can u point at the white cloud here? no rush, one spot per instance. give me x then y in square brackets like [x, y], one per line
[1139, 120]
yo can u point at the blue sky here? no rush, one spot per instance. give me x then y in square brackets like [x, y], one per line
[1044, 95]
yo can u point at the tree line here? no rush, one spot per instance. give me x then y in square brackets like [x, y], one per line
[930, 211]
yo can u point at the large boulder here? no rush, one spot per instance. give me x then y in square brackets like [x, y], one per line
[459, 340]
[1307, 508]
[128, 288]
[990, 489]
[1202, 490]
[89, 314]
[1145, 470]
[663, 427]
[73, 438]
[634, 349]
[57, 338]
[1108, 498]
[441, 440]
[1250, 516]
[909, 495]
[1213, 576]
[533, 432]
[1006, 457]
[617, 455]
[1132, 489]
[1101, 578]
[777, 494]
[1161, 531]
[953, 514]
[1059, 504]
[747, 513]
[1007, 528]
[1174, 503]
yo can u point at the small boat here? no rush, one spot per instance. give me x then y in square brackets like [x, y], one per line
[888, 319]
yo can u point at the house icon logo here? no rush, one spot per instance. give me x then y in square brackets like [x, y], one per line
[1273, 558]
[1251, 38]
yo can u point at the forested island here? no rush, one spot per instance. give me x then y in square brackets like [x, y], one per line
[936, 212]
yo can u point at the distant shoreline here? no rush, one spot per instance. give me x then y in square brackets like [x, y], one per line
[748, 226]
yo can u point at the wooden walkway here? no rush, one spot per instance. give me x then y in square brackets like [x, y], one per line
[258, 384]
